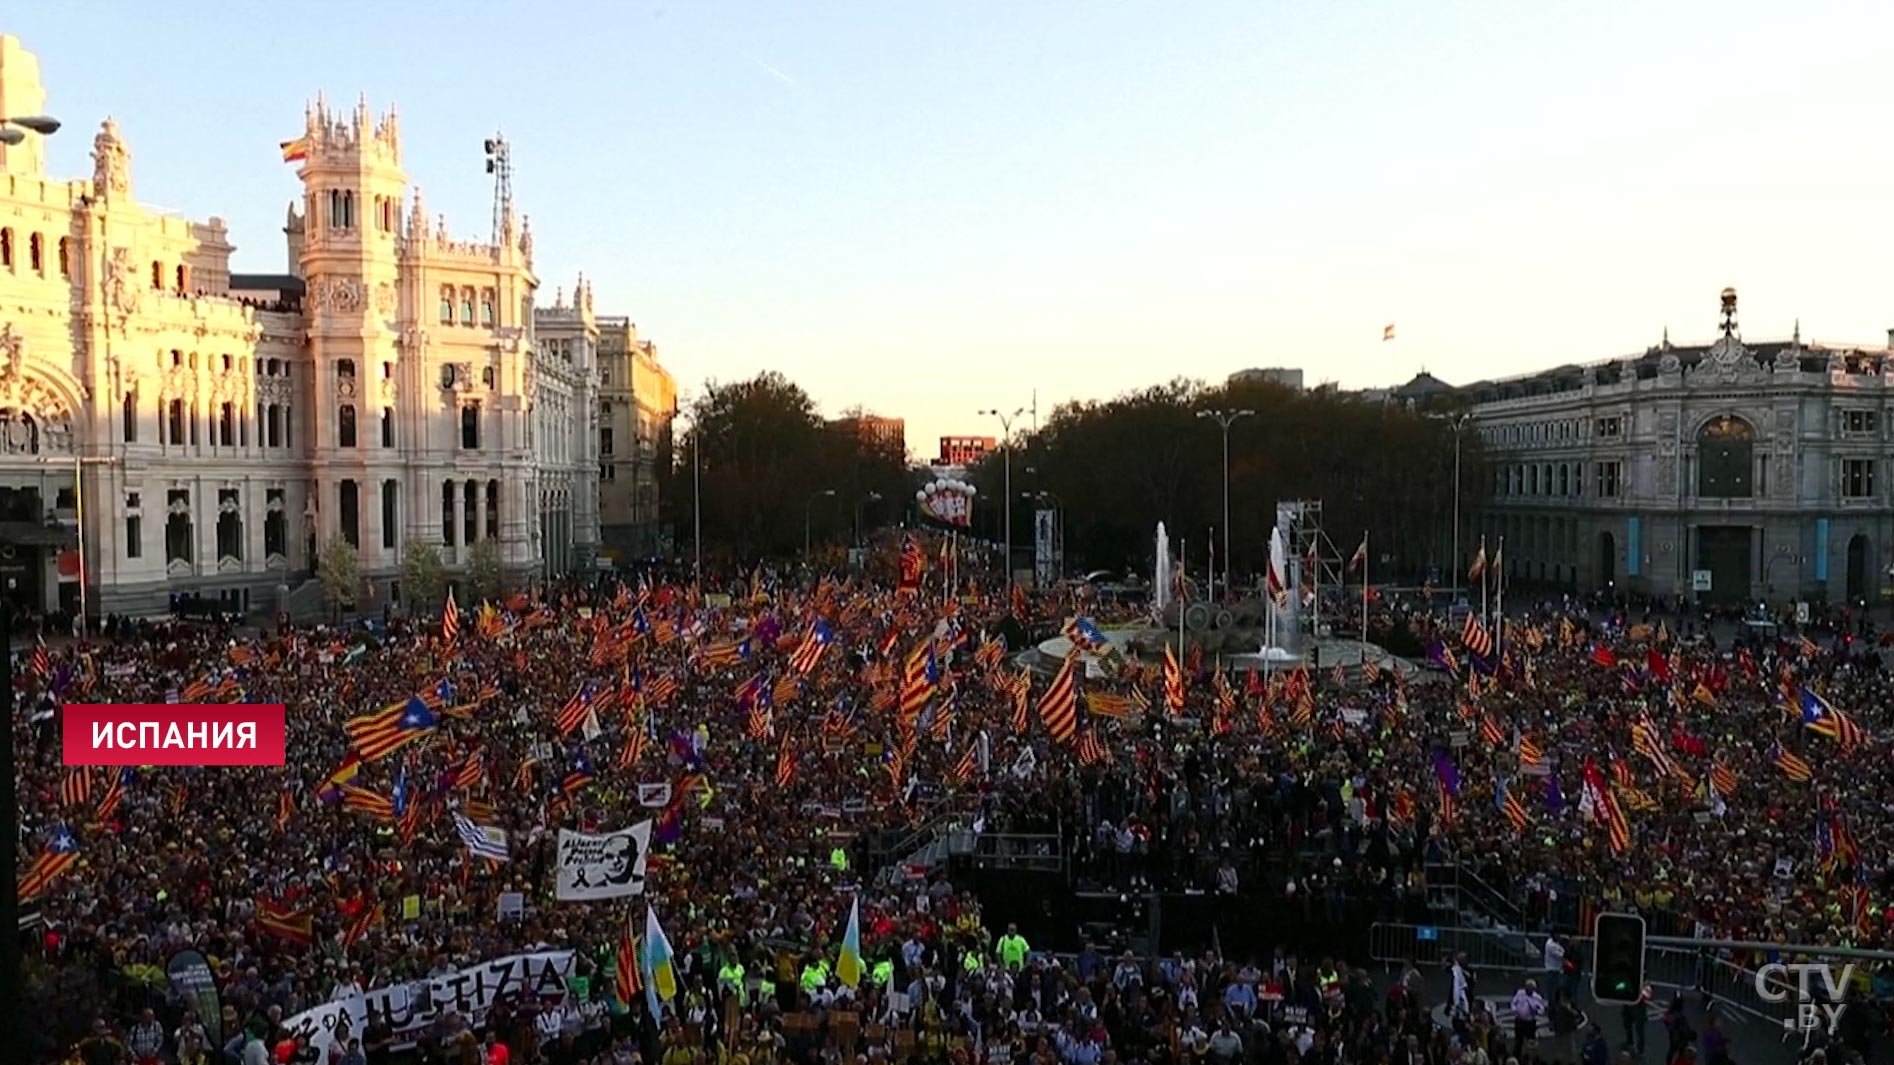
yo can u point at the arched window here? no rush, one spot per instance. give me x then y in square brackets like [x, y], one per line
[177, 526]
[345, 425]
[470, 426]
[6, 247]
[486, 307]
[466, 306]
[447, 305]
[493, 510]
[36, 253]
[447, 513]
[130, 416]
[345, 369]
[157, 275]
[229, 525]
[470, 512]
[1726, 456]
[65, 256]
[184, 279]
[273, 426]
[351, 512]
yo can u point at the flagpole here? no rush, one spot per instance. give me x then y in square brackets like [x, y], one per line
[1182, 601]
[1212, 575]
[1315, 605]
[1499, 603]
[1364, 597]
[1483, 603]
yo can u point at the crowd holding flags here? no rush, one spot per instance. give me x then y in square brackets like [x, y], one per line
[913, 682]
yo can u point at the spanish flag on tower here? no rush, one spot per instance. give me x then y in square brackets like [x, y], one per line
[295, 150]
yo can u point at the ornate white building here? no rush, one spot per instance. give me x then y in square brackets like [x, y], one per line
[388, 390]
[637, 406]
[1735, 470]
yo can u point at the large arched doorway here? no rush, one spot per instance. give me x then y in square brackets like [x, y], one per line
[1726, 456]
[1607, 560]
[1858, 574]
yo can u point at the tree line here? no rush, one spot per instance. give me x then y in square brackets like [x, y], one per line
[761, 459]
[1114, 468]
[766, 473]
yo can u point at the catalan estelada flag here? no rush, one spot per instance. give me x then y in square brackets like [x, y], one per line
[1173, 681]
[384, 732]
[295, 150]
[1058, 707]
[628, 980]
[76, 789]
[62, 850]
[364, 801]
[1792, 766]
[450, 619]
[809, 654]
[1819, 716]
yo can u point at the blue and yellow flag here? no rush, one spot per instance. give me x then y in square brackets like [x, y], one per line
[848, 968]
[660, 973]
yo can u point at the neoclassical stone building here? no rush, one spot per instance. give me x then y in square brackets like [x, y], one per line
[388, 389]
[1731, 470]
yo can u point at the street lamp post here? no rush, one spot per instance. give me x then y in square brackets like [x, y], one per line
[1225, 419]
[13, 131]
[872, 497]
[1006, 493]
[806, 508]
[79, 463]
[1458, 422]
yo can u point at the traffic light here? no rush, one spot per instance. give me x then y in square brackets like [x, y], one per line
[1617, 973]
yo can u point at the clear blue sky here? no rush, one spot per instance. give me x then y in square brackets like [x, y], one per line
[932, 207]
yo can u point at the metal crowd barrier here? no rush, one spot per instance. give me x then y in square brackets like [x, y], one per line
[1485, 948]
[1669, 969]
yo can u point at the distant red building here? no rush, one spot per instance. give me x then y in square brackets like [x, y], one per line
[965, 450]
[891, 433]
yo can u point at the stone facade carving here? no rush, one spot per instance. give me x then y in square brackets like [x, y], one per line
[343, 295]
[124, 266]
[122, 290]
[12, 350]
[111, 163]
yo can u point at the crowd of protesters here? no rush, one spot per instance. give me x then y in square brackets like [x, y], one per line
[1172, 778]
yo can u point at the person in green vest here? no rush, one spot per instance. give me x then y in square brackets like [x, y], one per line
[814, 976]
[839, 859]
[1013, 949]
[730, 981]
[882, 973]
[973, 961]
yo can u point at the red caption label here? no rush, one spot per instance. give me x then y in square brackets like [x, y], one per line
[173, 734]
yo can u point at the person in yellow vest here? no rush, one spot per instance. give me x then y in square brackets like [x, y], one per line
[839, 859]
[1013, 949]
[730, 982]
